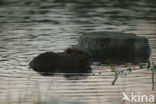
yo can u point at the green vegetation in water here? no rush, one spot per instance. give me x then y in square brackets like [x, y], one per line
[142, 66]
[154, 67]
[116, 75]
[113, 69]
[149, 66]
[119, 73]
[129, 69]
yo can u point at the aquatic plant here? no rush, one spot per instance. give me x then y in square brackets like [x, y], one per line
[116, 75]
[120, 73]
[149, 65]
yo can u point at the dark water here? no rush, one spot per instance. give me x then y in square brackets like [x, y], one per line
[30, 27]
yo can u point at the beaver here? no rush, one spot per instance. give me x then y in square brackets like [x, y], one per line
[70, 61]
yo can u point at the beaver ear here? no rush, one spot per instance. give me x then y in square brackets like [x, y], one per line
[68, 51]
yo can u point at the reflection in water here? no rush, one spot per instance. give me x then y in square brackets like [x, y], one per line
[77, 76]
[57, 101]
[70, 74]
[31, 27]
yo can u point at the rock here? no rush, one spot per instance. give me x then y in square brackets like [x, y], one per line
[114, 47]
[69, 61]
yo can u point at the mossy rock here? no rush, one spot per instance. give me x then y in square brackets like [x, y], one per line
[115, 47]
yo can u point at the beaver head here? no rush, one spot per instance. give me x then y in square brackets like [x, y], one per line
[71, 60]
[77, 54]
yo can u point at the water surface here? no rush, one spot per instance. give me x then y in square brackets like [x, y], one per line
[31, 27]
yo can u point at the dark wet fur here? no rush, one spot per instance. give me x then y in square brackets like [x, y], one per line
[69, 61]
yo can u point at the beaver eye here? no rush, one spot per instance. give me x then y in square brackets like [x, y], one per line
[69, 51]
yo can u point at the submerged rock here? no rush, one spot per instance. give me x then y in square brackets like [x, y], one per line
[114, 47]
[69, 61]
